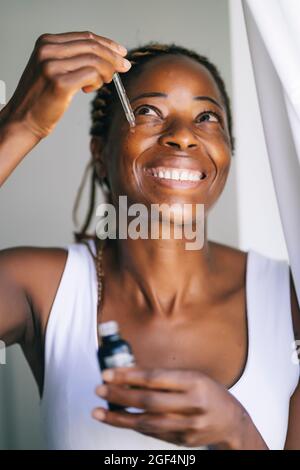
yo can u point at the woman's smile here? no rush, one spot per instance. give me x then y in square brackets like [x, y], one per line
[174, 178]
[178, 172]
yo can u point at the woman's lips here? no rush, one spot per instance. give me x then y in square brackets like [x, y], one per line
[176, 177]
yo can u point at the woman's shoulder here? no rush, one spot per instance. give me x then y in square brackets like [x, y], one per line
[235, 266]
[35, 270]
[32, 261]
[229, 259]
[232, 253]
[230, 265]
[234, 259]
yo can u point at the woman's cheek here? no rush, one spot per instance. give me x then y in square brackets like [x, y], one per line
[138, 139]
[147, 126]
[219, 148]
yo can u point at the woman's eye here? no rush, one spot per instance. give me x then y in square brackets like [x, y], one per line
[209, 116]
[146, 111]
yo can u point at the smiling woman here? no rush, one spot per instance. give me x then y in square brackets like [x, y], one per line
[210, 329]
[155, 109]
[188, 90]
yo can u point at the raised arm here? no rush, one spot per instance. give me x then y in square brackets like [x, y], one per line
[60, 66]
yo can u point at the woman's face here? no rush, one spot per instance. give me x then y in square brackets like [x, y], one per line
[179, 150]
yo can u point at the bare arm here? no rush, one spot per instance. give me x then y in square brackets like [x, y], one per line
[29, 278]
[16, 141]
[15, 310]
[60, 66]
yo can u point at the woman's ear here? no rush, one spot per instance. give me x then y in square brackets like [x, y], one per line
[97, 151]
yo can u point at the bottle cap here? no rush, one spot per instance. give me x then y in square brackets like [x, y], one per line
[108, 328]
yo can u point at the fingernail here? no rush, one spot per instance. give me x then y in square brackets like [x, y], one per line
[102, 390]
[126, 63]
[99, 414]
[108, 375]
[122, 49]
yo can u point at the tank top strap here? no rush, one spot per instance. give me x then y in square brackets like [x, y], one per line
[72, 323]
[270, 323]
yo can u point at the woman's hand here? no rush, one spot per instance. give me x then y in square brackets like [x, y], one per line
[183, 407]
[61, 65]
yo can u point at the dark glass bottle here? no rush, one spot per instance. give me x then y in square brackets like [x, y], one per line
[113, 351]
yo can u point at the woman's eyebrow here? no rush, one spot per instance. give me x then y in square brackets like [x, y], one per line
[155, 94]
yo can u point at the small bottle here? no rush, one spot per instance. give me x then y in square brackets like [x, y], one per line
[113, 351]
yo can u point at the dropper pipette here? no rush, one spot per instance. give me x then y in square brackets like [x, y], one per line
[124, 99]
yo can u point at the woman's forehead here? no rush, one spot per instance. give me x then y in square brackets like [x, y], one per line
[173, 74]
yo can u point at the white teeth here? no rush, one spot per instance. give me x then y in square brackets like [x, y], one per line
[176, 174]
[184, 175]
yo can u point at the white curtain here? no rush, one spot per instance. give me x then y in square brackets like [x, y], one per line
[273, 29]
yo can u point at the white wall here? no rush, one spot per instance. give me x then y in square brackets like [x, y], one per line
[36, 202]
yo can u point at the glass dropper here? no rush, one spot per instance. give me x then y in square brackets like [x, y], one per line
[124, 99]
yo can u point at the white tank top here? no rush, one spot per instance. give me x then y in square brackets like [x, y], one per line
[72, 371]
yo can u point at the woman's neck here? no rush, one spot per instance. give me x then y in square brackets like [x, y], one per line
[162, 274]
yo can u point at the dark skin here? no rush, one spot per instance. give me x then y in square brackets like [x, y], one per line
[179, 309]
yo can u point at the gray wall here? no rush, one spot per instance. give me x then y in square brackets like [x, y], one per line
[36, 202]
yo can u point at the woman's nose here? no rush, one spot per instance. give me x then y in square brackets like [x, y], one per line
[181, 138]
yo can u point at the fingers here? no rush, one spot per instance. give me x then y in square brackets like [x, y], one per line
[147, 423]
[70, 83]
[150, 400]
[165, 379]
[105, 69]
[81, 48]
[59, 66]
[193, 431]
[81, 35]
[67, 53]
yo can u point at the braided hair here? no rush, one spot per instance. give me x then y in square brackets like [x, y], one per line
[106, 96]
